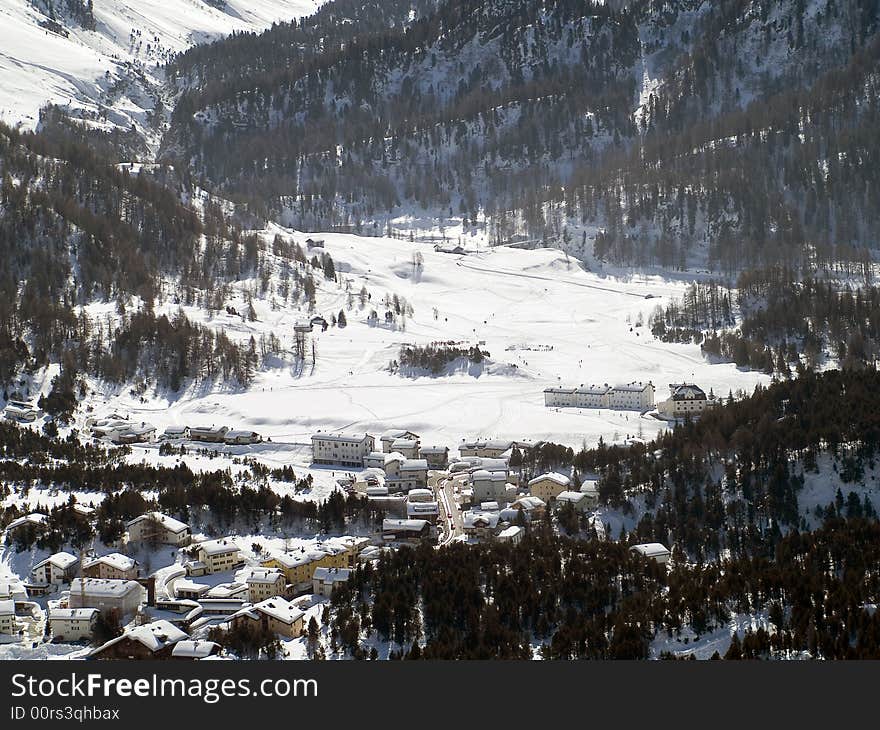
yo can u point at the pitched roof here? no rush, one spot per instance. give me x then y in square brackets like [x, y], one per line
[117, 561]
[276, 608]
[552, 476]
[218, 547]
[154, 636]
[169, 523]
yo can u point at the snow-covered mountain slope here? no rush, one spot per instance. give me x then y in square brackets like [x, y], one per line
[56, 60]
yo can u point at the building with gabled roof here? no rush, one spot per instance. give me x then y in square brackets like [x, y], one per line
[157, 528]
[72, 624]
[548, 486]
[342, 449]
[114, 566]
[274, 614]
[154, 640]
[54, 570]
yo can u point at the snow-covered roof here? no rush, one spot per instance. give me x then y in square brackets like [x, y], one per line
[331, 575]
[154, 636]
[529, 502]
[220, 546]
[408, 525]
[60, 560]
[414, 465]
[403, 443]
[268, 576]
[117, 561]
[69, 614]
[34, 518]
[415, 509]
[208, 430]
[241, 434]
[497, 444]
[176, 429]
[104, 587]
[479, 518]
[415, 495]
[194, 649]
[226, 590]
[353, 438]
[510, 532]
[395, 433]
[433, 450]
[632, 387]
[565, 391]
[169, 523]
[569, 496]
[483, 475]
[184, 585]
[276, 608]
[552, 476]
[650, 549]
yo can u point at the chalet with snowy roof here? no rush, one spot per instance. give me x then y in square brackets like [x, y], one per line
[685, 399]
[154, 640]
[343, 449]
[240, 438]
[228, 591]
[158, 529]
[532, 505]
[208, 434]
[396, 434]
[436, 456]
[108, 596]
[405, 529]
[512, 534]
[175, 433]
[653, 550]
[548, 486]
[133, 434]
[487, 448]
[581, 501]
[34, 520]
[52, 572]
[324, 580]
[274, 614]
[480, 523]
[114, 566]
[218, 555]
[21, 411]
[411, 474]
[422, 505]
[72, 624]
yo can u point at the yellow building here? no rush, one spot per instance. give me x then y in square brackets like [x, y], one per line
[549, 486]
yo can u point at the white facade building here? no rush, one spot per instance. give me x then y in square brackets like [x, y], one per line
[342, 449]
[72, 624]
[685, 399]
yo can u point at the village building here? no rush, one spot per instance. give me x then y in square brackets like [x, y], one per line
[557, 397]
[184, 588]
[238, 438]
[531, 505]
[632, 396]
[229, 591]
[396, 434]
[579, 500]
[156, 528]
[193, 650]
[72, 624]
[54, 571]
[133, 434]
[154, 640]
[411, 474]
[422, 504]
[21, 411]
[342, 449]
[405, 530]
[653, 550]
[386, 461]
[208, 434]
[408, 447]
[265, 583]
[512, 534]
[34, 520]
[175, 433]
[274, 614]
[324, 579]
[114, 566]
[488, 448]
[218, 555]
[8, 624]
[685, 399]
[489, 486]
[436, 456]
[548, 486]
[480, 524]
[122, 597]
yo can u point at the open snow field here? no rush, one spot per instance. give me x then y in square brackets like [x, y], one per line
[543, 318]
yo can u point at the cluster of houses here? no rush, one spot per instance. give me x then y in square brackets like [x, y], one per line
[685, 399]
[120, 430]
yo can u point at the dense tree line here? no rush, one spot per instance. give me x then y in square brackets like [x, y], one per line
[597, 600]
[435, 358]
